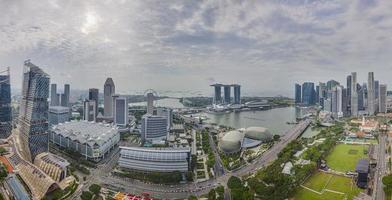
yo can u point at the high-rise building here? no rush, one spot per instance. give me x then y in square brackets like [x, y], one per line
[217, 93]
[65, 96]
[121, 111]
[331, 84]
[227, 94]
[323, 92]
[317, 95]
[382, 98]
[150, 103]
[237, 94]
[371, 100]
[361, 99]
[109, 90]
[5, 104]
[93, 95]
[354, 95]
[308, 93]
[336, 102]
[54, 98]
[298, 93]
[33, 115]
[168, 113]
[348, 94]
[345, 102]
[89, 110]
[376, 91]
[154, 128]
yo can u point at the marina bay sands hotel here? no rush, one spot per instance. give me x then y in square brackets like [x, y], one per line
[227, 94]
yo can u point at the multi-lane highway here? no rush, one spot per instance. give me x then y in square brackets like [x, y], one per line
[102, 173]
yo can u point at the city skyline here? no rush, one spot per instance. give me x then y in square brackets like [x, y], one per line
[192, 42]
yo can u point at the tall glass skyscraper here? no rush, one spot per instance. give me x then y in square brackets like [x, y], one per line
[237, 94]
[308, 93]
[108, 91]
[93, 95]
[33, 119]
[5, 105]
[298, 98]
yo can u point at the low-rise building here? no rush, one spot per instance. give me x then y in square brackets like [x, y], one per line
[155, 159]
[58, 114]
[90, 139]
[53, 165]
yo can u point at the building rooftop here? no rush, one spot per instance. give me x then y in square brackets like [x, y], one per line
[86, 132]
[362, 166]
[58, 109]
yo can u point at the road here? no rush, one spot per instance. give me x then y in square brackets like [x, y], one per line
[102, 174]
[381, 170]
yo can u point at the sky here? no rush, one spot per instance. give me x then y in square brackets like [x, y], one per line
[264, 45]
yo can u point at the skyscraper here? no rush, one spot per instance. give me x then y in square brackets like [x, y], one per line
[108, 91]
[237, 94]
[371, 94]
[354, 95]
[54, 100]
[382, 98]
[33, 115]
[361, 99]
[65, 96]
[89, 110]
[121, 111]
[317, 95]
[227, 94]
[217, 93]
[348, 108]
[93, 95]
[308, 93]
[331, 84]
[298, 93]
[344, 102]
[376, 91]
[150, 103]
[5, 104]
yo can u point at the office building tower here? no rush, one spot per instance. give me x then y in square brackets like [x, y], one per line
[5, 105]
[217, 93]
[237, 94]
[54, 98]
[345, 102]
[89, 110]
[150, 103]
[168, 113]
[298, 93]
[109, 90]
[336, 102]
[121, 111]
[227, 94]
[376, 91]
[65, 96]
[361, 99]
[365, 96]
[93, 95]
[308, 93]
[58, 114]
[348, 84]
[371, 102]
[354, 95]
[317, 95]
[331, 84]
[327, 105]
[382, 96]
[33, 115]
[154, 128]
[323, 92]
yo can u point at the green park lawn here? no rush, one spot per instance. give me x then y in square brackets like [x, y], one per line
[322, 182]
[344, 157]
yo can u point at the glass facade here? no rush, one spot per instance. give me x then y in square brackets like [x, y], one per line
[33, 118]
[308, 94]
[5, 107]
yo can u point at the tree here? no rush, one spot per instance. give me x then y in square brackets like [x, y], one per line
[212, 195]
[94, 188]
[234, 182]
[86, 195]
[2, 151]
[192, 197]
[276, 137]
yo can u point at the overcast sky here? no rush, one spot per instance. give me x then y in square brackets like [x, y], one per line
[266, 46]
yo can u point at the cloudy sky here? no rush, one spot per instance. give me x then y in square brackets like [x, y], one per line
[266, 46]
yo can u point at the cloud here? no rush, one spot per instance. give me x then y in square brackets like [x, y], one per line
[264, 45]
